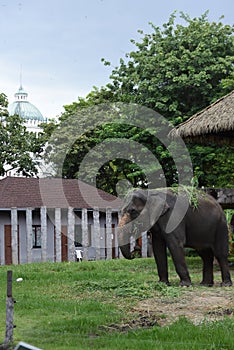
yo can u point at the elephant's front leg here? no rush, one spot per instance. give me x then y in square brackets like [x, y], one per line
[178, 256]
[160, 255]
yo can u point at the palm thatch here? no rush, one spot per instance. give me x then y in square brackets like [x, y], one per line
[214, 124]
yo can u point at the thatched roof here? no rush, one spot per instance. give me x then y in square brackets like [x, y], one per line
[214, 124]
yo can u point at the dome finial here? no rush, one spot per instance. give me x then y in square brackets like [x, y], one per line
[21, 94]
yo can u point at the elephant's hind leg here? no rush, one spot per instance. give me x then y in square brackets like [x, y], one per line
[226, 278]
[221, 253]
[207, 259]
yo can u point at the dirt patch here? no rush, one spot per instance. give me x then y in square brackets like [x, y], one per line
[141, 320]
[205, 305]
[196, 305]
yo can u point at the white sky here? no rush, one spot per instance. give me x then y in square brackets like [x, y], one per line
[60, 43]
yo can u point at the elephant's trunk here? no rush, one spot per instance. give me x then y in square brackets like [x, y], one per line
[124, 237]
[125, 250]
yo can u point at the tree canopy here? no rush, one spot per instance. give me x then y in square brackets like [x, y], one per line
[179, 69]
[176, 70]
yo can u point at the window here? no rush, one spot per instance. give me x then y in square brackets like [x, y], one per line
[36, 231]
[78, 236]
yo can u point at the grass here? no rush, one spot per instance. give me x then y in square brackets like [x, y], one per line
[71, 305]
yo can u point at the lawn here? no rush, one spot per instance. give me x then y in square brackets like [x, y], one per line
[101, 305]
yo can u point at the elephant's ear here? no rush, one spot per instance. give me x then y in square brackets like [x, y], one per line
[157, 206]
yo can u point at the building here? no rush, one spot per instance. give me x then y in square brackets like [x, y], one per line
[48, 219]
[26, 110]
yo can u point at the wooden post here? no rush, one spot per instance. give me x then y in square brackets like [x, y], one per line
[108, 234]
[71, 234]
[9, 311]
[58, 234]
[43, 234]
[97, 231]
[29, 234]
[85, 233]
[14, 239]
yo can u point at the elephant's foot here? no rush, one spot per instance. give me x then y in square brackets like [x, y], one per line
[165, 282]
[185, 283]
[207, 284]
[226, 284]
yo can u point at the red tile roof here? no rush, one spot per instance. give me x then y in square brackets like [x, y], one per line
[22, 192]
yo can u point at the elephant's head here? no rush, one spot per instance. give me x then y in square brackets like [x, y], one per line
[140, 212]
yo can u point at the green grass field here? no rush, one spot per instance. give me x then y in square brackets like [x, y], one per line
[85, 305]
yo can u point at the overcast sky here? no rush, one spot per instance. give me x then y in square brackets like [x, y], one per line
[59, 43]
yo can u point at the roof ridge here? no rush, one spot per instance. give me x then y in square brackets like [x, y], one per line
[204, 109]
[214, 103]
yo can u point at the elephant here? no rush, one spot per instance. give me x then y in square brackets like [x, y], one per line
[175, 222]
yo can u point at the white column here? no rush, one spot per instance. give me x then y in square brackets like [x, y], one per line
[132, 243]
[43, 234]
[109, 233]
[58, 233]
[14, 236]
[144, 245]
[117, 240]
[96, 232]
[85, 233]
[71, 234]
[29, 234]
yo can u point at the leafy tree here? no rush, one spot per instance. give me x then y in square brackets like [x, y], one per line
[3, 105]
[213, 165]
[67, 151]
[176, 70]
[18, 147]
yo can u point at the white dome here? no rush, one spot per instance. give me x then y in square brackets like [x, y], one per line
[25, 109]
